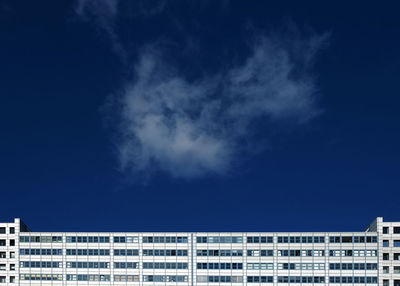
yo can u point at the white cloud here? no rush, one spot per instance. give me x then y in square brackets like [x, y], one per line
[192, 128]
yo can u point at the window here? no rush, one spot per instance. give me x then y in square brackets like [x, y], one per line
[386, 256]
[396, 243]
[219, 239]
[2, 254]
[126, 252]
[90, 252]
[385, 269]
[396, 283]
[386, 243]
[2, 230]
[347, 239]
[2, 267]
[12, 254]
[396, 269]
[40, 251]
[260, 279]
[12, 230]
[43, 264]
[396, 256]
[385, 282]
[48, 277]
[12, 267]
[12, 242]
[2, 279]
[164, 239]
[12, 279]
[84, 264]
[128, 278]
[396, 229]
[85, 239]
[385, 230]
[2, 242]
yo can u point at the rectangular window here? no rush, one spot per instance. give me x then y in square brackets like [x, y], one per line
[396, 229]
[12, 230]
[12, 242]
[2, 230]
[2, 242]
[385, 282]
[396, 243]
[385, 230]
[2, 254]
[12, 279]
[12, 254]
[385, 243]
[2, 279]
[347, 239]
[385, 269]
[396, 256]
[396, 269]
[386, 256]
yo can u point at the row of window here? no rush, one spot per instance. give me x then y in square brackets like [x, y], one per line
[219, 252]
[219, 239]
[3, 242]
[165, 239]
[173, 265]
[301, 239]
[353, 239]
[40, 264]
[126, 239]
[89, 252]
[353, 279]
[301, 279]
[165, 265]
[126, 278]
[202, 239]
[204, 252]
[260, 279]
[165, 252]
[298, 252]
[385, 229]
[3, 254]
[126, 252]
[353, 266]
[396, 243]
[87, 277]
[201, 278]
[260, 266]
[356, 253]
[220, 279]
[301, 266]
[93, 265]
[260, 239]
[3, 230]
[126, 265]
[42, 239]
[88, 239]
[40, 251]
[219, 265]
[47, 277]
[396, 256]
[165, 278]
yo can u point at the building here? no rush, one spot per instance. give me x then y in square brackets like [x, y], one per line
[186, 258]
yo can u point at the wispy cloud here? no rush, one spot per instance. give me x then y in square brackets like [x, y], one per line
[103, 13]
[190, 128]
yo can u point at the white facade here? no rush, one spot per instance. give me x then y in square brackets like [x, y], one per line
[186, 258]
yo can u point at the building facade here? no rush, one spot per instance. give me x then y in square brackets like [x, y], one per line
[189, 258]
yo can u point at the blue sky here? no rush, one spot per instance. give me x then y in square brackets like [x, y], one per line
[199, 115]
